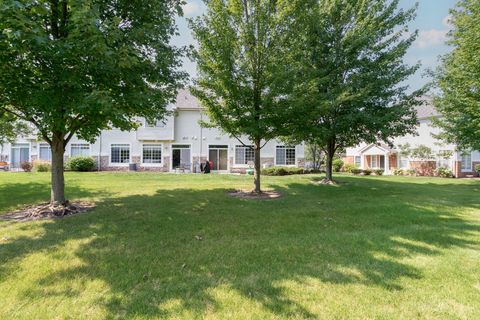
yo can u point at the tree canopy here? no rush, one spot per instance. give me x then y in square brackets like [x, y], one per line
[459, 79]
[75, 67]
[239, 62]
[347, 74]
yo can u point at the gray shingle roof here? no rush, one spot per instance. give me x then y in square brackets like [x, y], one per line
[185, 100]
[427, 110]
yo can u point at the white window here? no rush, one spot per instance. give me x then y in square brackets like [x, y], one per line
[285, 156]
[358, 161]
[403, 162]
[120, 153]
[155, 124]
[467, 162]
[80, 150]
[374, 162]
[45, 152]
[243, 155]
[152, 153]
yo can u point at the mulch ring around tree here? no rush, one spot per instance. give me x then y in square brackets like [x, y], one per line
[250, 195]
[325, 182]
[48, 211]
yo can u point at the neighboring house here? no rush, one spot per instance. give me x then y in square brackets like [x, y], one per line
[382, 156]
[177, 142]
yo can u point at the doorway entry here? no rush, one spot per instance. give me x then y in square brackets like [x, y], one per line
[20, 153]
[218, 154]
[181, 156]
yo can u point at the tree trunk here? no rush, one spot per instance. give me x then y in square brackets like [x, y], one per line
[58, 182]
[329, 154]
[257, 172]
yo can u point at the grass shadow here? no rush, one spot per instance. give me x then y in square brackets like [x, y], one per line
[145, 248]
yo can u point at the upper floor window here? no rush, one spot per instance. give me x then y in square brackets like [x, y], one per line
[285, 156]
[243, 154]
[120, 153]
[467, 162]
[45, 152]
[80, 150]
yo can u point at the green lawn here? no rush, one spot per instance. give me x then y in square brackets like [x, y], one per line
[370, 248]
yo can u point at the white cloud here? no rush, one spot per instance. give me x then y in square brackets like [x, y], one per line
[191, 8]
[430, 38]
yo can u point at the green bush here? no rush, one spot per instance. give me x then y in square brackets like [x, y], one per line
[26, 166]
[367, 172]
[348, 167]
[444, 172]
[42, 166]
[412, 172]
[82, 164]
[283, 171]
[378, 172]
[337, 164]
[477, 168]
[356, 171]
[398, 172]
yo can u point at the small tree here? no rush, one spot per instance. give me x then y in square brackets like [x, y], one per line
[240, 47]
[459, 79]
[348, 73]
[314, 153]
[77, 67]
[422, 152]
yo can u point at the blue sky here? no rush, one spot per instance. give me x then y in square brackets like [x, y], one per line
[431, 22]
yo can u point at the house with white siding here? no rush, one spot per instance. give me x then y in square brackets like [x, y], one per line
[178, 143]
[387, 158]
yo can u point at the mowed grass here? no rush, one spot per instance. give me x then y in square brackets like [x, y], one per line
[370, 248]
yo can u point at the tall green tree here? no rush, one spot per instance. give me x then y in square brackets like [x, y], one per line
[348, 74]
[75, 67]
[240, 46]
[459, 79]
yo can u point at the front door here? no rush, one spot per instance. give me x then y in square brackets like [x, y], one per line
[181, 157]
[218, 155]
[20, 153]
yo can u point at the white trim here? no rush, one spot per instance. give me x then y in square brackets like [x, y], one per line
[80, 143]
[114, 164]
[162, 150]
[235, 165]
[285, 148]
[29, 152]
[228, 155]
[470, 169]
[364, 149]
[181, 144]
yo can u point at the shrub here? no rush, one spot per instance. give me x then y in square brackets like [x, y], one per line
[477, 168]
[411, 172]
[378, 172]
[398, 172]
[367, 172]
[26, 166]
[444, 172]
[356, 171]
[283, 171]
[42, 166]
[348, 167]
[81, 164]
[337, 164]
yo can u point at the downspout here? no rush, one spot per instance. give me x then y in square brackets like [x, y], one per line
[99, 167]
[201, 137]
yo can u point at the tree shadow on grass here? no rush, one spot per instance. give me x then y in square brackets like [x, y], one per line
[147, 249]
